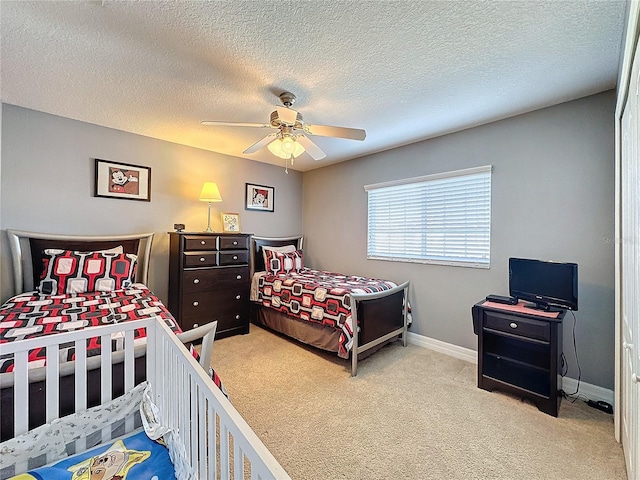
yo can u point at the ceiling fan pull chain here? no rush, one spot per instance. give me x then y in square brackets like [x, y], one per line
[286, 167]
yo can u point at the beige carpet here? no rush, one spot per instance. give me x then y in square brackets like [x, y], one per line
[410, 413]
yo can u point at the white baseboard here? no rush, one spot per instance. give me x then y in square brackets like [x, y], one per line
[592, 392]
[443, 347]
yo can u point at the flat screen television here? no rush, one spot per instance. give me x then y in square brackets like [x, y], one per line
[547, 284]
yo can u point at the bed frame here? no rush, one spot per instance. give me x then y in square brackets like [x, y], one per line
[27, 250]
[217, 442]
[380, 317]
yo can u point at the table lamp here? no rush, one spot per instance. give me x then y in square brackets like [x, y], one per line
[210, 193]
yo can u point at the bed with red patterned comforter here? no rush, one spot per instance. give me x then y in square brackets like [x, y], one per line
[32, 314]
[317, 296]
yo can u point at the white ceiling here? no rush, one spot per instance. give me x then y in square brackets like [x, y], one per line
[402, 70]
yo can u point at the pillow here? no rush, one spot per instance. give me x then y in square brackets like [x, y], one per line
[283, 249]
[67, 272]
[282, 263]
[134, 456]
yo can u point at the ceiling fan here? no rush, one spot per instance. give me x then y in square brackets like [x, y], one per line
[291, 139]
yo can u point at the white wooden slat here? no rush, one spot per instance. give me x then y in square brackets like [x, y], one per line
[238, 461]
[211, 420]
[21, 392]
[129, 361]
[129, 371]
[202, 433]
[80, 385]
[106, 391]
[81, 375]
[185, 419]
[52, 382]
[193, 427]
[225, 453]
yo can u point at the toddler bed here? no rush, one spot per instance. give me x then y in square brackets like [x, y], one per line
[71, 283]
[192, 422]
[320, 308]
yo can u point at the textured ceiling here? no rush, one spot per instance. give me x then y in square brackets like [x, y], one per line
[402, 70]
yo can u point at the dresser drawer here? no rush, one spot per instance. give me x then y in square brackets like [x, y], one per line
[213, 279]
[220, 303]
[226, 319]
[200, 242]
[240, 257]
[233, 243]
[525, 327]
[200, 259]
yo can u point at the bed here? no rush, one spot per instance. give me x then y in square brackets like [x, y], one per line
[40, 310]
[189, 429]
[320, 308]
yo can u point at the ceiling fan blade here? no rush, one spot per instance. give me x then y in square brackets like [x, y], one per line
[340, 132]
[233, 124]
[258, 145]
[286, 115]
[311, 148]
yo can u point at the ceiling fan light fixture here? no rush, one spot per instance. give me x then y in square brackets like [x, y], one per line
[286, 147]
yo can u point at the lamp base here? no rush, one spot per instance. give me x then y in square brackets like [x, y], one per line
[208, 230]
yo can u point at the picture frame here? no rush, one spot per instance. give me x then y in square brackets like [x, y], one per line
[122, 180]
[259, 197]
[230, 222]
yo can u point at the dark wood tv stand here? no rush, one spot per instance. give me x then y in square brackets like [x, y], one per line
[519, 352]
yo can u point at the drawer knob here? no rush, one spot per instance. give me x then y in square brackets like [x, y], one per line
[513, 325]
[239, 277]
[235, 242]
[196, 280]
[237, 297]
[202, 259]
[237, 317]
[195, 325]
[195, 304]
[202, 242]
[235, 257]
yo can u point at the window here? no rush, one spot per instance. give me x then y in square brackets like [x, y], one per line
[443, 219]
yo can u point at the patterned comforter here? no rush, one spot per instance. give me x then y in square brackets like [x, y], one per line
[31, 315]
[317, 296]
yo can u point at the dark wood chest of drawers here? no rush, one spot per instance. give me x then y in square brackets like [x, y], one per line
[209, 280]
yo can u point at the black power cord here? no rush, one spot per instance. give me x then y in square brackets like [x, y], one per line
[565, 367]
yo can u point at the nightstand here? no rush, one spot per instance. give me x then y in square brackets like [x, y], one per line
[519, 352]
[209, 280]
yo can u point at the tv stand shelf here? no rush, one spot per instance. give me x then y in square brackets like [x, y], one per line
[519, 352]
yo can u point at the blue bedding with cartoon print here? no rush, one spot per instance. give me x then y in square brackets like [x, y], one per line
[133, 457]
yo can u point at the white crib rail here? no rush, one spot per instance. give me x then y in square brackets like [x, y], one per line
[204, 414]
[189, 401]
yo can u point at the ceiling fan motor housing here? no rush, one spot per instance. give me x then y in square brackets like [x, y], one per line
[277, 122]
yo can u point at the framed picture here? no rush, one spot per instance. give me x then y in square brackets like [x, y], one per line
[230, 222]
[259, 197]
[121, 180]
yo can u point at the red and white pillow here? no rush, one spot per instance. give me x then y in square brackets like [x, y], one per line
[278, 263]
[68, 272]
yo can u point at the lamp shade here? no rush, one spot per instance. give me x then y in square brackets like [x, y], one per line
[210, 192]
[286, 147]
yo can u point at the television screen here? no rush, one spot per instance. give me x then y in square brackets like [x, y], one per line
[544, 283]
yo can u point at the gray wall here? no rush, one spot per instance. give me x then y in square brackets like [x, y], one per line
[552, 198]
[48, 176]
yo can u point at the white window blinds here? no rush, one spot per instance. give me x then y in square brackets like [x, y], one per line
[443, 218]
